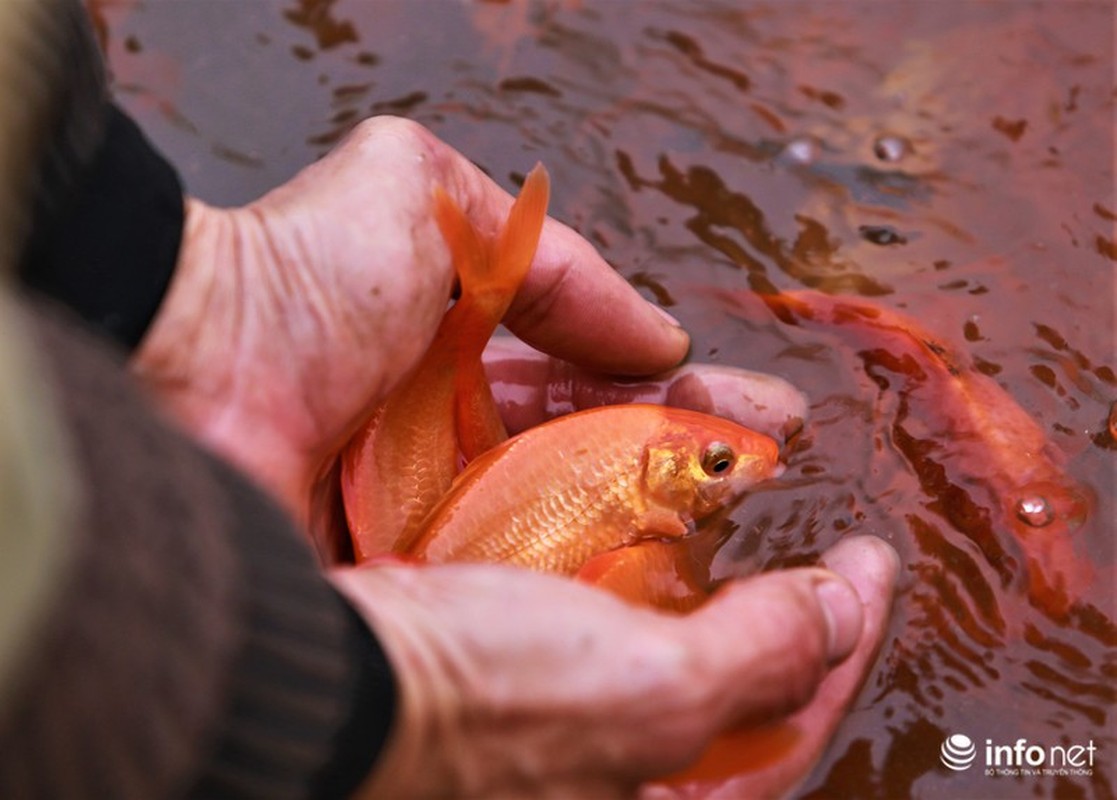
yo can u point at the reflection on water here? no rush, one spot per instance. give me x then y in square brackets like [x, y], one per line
[952, 161]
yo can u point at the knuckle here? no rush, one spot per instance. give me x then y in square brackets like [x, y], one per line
[775, 661]
[791, 644]
[390, 127]
[395, 142]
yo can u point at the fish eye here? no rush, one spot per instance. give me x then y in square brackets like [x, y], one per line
[718, 458]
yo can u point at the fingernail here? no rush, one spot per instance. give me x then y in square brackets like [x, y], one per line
[844, 613]
[659, 310]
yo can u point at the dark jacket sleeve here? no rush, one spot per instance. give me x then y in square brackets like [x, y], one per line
[198, 641]
[105, 243]
[107, 210]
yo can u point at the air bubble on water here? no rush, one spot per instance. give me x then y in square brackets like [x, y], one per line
[881, 234]
[801, 150]
[1035, 511]
[891, 147]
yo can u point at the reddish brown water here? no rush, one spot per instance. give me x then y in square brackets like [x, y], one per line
[952, 160]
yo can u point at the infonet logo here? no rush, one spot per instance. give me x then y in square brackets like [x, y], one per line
[958, 752]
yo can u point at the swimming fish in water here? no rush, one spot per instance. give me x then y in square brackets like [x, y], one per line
[398, 466]
[559, 494]
[985, 461]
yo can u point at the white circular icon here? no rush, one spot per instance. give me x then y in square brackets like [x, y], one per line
[958, 752]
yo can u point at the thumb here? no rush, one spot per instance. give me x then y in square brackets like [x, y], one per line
[572, 305]
[779, 634]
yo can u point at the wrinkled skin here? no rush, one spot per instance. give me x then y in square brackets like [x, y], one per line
[290, 318]
[596, 709]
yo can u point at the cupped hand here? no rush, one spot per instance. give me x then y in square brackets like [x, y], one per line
[516, 683]
[290, 318]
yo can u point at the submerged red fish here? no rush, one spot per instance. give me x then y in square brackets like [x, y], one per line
[989, 465]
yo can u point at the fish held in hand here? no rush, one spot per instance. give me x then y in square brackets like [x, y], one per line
[658, 573]
[561, 493]
[397, 467]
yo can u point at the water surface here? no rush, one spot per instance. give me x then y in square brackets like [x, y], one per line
[950, 160]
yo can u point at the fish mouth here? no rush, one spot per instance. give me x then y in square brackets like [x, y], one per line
[757, 469]
[751, 476]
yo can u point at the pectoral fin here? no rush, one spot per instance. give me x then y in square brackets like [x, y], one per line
[654, 573]
[660, 522]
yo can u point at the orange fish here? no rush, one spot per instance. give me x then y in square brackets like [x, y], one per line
[398, 466]
[606, 495]
[594, 481]
[660, 573]
[992, 467]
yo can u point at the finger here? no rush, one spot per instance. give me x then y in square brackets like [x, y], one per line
[531, 387]
[770, 761]
[572, 304]
[799, 623]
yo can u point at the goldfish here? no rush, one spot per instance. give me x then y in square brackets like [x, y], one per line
[594, 481]
[404, 458]
[957, 423]
[607, 495]
[604, 495]
[664, 574]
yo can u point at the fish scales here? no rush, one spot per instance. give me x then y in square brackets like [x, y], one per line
[569, 498]
[564, 492]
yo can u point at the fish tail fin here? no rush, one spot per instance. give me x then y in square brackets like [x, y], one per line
[515, 248]
[467, 253]
[497, 267]
[787, 306]
[490, 273]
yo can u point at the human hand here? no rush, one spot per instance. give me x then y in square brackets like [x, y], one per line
[531, 387]
[517, 683]
[290, 318]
